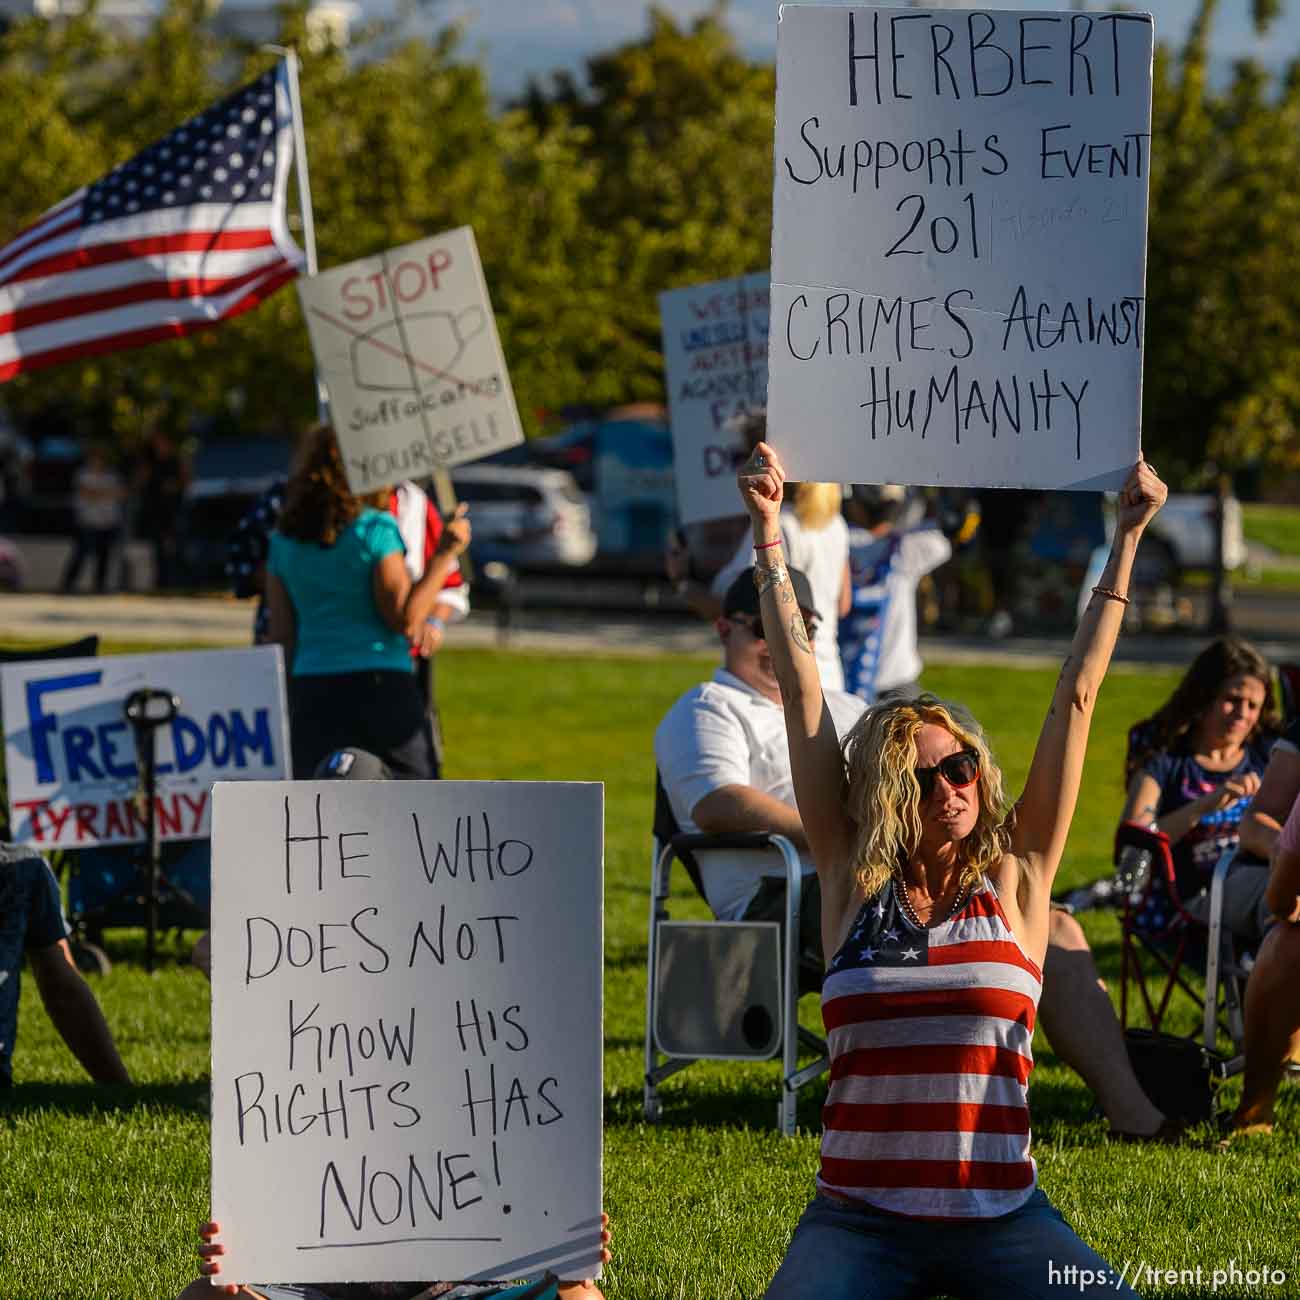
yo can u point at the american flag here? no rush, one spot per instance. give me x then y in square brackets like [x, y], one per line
[930, 1033]
[189, 232]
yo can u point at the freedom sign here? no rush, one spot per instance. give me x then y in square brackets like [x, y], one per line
[715, 363]
[70, 752]
[406, 1029]
[407, 347]
[959, 245]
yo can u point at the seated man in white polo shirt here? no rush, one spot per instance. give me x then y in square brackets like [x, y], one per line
[722, 755]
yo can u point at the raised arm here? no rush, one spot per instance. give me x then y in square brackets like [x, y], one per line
[1046, 807]
[404, 605]
[815, 762]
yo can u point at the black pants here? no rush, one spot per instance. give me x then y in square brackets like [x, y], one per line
[381, 712]
[769, 905]
[90, 541]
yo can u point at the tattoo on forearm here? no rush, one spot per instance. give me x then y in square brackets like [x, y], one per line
[785, 594]
[766, 578]
[1065, 667]
[800, 633]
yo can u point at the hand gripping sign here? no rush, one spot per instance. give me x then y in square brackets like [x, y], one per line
[959, 245]
[408, 350]
[406, 1029]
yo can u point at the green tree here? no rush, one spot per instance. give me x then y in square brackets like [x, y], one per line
[1222, 385]
[401, 145]
[680, 126]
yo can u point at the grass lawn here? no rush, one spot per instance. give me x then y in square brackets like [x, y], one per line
[102, 1189]
[1266, 579]
[1274, 526]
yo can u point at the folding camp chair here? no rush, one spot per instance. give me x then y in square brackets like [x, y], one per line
[1288, 680]
[723, 990]
[1159, 935]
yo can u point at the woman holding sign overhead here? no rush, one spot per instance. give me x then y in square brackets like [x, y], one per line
[935, 904]
[346, 611]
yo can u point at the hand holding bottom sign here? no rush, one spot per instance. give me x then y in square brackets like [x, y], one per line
[211, 1250]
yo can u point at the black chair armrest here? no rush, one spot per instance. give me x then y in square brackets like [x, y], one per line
[690, 842]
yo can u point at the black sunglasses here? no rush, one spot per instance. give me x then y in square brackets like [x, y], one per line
[754, 626]
[958, 770]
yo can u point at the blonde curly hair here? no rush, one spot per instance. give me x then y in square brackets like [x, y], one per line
[882, 796]
[816, 504]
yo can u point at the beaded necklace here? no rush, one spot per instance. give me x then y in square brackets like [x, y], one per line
[905, 903]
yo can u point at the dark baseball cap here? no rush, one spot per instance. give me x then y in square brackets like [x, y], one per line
[742, 595]
[350, 764]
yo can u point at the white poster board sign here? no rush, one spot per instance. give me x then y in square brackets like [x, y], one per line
[70, 752]
[959, 245]
[715, 368]
[406, 1029]
[407, 346]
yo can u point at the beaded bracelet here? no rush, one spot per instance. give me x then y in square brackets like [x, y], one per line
[1111, 594]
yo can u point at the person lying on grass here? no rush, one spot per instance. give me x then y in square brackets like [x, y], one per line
[544, 1288]
[934, 903]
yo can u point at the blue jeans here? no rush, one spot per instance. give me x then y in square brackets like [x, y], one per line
[845, 1252]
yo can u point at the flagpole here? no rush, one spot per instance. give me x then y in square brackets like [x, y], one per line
[290, 56]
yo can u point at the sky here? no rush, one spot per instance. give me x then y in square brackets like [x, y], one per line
[517, 39]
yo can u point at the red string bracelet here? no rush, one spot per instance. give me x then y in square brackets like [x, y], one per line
[768, 545]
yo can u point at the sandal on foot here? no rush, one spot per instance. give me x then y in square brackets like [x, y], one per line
[1230, 1131]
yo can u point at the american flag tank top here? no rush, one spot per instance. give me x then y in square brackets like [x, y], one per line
[929, 1036]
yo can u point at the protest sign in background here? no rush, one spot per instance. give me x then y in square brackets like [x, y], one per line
[407, 346]
[715, 364]
[406, 1029]
[959, 245]
[70, 753]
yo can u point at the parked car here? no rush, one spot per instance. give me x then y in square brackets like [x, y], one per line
[1184, 530]
[49, 505]
[625, 461]
[16, 454]
[526, 517]
[1181, 538]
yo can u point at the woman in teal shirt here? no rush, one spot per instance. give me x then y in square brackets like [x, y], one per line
[346, 612]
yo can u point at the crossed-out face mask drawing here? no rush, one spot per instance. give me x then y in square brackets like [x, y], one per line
[416, 352]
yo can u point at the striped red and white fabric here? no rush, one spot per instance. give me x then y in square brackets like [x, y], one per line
[929, 1034]
[189, 232]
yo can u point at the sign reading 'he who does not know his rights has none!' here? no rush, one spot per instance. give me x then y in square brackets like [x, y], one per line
[715, 366]
[70, 753]
[407, 346]
[406, 1029]
[959, 245]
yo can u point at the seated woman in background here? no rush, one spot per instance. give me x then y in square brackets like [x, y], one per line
[1192, 775]
[1199, 761]
[344, 608]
